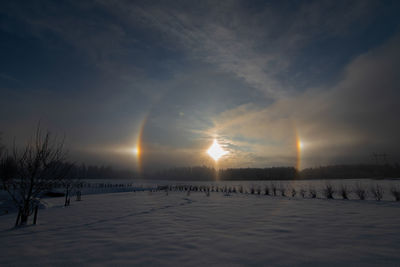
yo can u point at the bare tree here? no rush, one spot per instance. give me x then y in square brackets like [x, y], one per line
[28, 173]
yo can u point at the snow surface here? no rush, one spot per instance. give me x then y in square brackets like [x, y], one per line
[153, 228]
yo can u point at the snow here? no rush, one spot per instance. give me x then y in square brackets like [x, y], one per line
[152, 228]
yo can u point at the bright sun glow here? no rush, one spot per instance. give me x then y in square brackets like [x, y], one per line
[136, 151]
[301, 145]
[216, 151]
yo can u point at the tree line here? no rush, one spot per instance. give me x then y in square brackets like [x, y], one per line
[204, 173]
[84, 171]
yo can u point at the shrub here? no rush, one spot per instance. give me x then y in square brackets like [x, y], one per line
[395, 190]
[281, 188]
[344, 191]
[312, 192]
[266, 190]
[360, 191]
[377, 192]
[302, 192]
[273, 187]
[293, 192]
[328, 191]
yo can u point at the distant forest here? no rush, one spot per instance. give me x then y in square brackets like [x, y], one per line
[203, 173]
[100, 172]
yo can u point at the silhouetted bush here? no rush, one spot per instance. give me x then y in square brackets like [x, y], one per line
[312, 192]
[293, 192]
[395, 191]
[273, 188]
[328, 191]
[266, 190]
[360, 191]
[258, 190]
[282, 189]
[302, 192]
[344, 191]
[377, 192]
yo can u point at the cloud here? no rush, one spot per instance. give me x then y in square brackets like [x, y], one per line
[258, 45]
[343, 123]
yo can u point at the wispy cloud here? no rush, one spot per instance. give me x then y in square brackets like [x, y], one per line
[347, 121]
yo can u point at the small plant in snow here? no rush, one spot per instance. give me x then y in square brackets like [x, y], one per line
[258, 190]
[360, 191]
[312, 192]
[241, 189]
[302, 192]
[328, 191]
[377, 192]
[395, 190]
[344, 191]
[252, 191]
[293, 192]
[266, 190]
[283, 191]
[273, 188]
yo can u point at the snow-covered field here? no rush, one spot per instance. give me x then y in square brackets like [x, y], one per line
[147, 229]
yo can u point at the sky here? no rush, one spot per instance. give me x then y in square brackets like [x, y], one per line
[276, 83]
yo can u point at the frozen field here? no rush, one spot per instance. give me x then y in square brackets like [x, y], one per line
[147, 229]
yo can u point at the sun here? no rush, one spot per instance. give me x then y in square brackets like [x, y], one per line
[216, 151]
